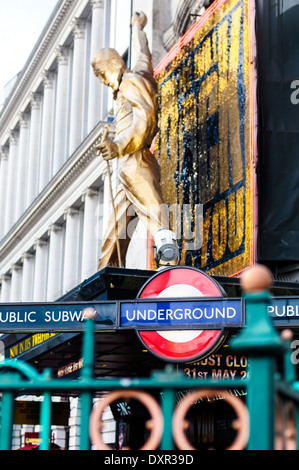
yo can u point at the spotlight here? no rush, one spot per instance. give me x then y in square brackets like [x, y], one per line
[166, 245]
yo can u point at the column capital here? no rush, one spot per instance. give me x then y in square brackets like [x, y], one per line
[54, 228]
[62, 55]
[48, 79]
[3, 153]
[15, 267]
[89, 192]
[24, 119]
[97, 3]
[5, 277]
[13, 137]
[35, 100]
[40, 243]
[79, 28]
[27, 256]
[70, 212]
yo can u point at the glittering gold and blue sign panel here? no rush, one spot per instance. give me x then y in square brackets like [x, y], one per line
[204, 144]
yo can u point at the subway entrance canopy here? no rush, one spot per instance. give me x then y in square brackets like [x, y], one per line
[49, 335]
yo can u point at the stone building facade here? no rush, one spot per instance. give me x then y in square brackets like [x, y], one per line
[54, 190]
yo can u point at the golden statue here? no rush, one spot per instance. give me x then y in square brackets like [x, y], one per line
[135, 93]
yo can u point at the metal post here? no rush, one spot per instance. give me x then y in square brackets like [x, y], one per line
[87, 373]
[168, 405]
[260, 403]
[46, 408]
[262, 344]
[86, 404]
[7, 410]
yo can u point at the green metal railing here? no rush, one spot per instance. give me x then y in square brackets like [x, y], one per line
[258, 340]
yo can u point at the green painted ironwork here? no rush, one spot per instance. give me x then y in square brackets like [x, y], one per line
[258, 340]
[262, 344]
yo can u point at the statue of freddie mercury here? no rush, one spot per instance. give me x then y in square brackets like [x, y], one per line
[135, 93]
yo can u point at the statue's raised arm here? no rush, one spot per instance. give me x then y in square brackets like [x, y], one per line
[143, 61]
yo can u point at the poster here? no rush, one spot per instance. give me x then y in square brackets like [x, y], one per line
[205, 141]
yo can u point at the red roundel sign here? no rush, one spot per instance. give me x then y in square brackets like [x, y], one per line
[181, 345]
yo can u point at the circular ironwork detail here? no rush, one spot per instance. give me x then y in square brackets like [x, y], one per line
[241, 424]
[155, 424]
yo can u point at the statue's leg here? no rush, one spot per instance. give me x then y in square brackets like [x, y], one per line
[116, 230]
[140, 180]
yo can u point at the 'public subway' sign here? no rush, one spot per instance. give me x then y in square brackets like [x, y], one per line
[55, 317]
[204, 142]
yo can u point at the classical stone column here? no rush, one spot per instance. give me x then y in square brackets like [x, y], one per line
[5, 291]
[55, 262]
[77, 96]
[71, 250]
[60, 126]
[96, 43]
[40, 271]
[90, 239]
[11, 182]
[3, 180]
[34, 148]
[28, 277]
[46, 151]
[22, 165]
[16, 283]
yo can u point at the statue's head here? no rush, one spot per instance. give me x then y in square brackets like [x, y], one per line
[108, 66]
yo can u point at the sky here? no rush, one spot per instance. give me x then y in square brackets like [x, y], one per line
[21, 23]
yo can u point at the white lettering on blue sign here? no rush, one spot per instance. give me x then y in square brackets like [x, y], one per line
[188, 313]
[49, 316]
[17, 317]
[282, 308]
[185, 314]
[58, 317]
[63, 316]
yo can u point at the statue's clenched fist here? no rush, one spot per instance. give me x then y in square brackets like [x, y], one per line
[108, 150]
[139, 19]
